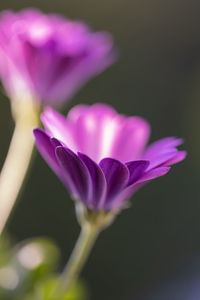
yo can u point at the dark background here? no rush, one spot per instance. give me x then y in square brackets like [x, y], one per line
[158, 77]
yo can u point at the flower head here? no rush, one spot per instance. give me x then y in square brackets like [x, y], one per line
[49, 57]
[101, 156]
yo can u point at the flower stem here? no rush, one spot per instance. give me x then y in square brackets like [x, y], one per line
[83, 247]
[18, 159]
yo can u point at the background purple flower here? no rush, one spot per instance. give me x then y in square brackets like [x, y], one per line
[102, 156]
[47, 56]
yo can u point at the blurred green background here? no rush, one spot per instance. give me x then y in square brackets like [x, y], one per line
[158, 77]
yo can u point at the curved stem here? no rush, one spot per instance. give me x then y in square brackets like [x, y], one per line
[17, 161]
[83, 247]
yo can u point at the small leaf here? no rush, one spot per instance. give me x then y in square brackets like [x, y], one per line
[46, 291]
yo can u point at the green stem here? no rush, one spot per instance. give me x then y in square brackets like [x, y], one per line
[83, 247]
[18, 158]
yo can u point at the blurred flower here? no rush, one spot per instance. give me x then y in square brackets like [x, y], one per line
[101, 156]
[47, 57]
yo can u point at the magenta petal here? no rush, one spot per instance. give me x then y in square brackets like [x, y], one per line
[162, 159]
[136, 170]
[95, 123]
[162, 145]
[117, 176]
[75, 174]
[178, 157]
[98, 180]
[133, 134]
[163, 152]
[153, 174]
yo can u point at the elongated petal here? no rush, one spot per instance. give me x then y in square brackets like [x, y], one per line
[47, 147]
[163, 145]
[117, 176]
[153, 174]
[99, 186]
[136, 170]
[130, 190]
[178, 157]
[163, 152]
[75, 174]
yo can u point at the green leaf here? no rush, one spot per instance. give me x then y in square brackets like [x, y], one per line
[46, 291]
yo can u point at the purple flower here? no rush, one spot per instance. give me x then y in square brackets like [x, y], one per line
[49, 57]
[101, 156]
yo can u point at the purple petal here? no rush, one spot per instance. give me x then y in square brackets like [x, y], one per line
[75, 174]
[136, 170]
[162, 159]
[153, 174]
[163, 144]
[130, 190]
[178, 157]
[164, 152]
[98, 180]
[56, 142]
[46, 147]
[117, 176]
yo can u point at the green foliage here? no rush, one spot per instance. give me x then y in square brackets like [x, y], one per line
[46, 289]
[28, 272]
